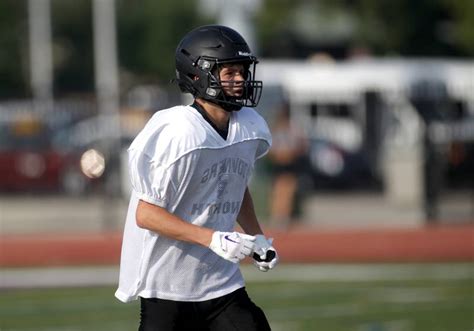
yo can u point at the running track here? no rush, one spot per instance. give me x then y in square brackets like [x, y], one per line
[302, 245]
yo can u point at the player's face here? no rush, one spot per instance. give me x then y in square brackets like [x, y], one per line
[232, 77]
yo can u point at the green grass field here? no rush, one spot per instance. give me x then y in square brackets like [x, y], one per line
[401, 297]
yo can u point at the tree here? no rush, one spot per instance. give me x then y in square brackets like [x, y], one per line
[462, 27]
[415, 28]
[424, 28]
[149, 32]
[13, 50]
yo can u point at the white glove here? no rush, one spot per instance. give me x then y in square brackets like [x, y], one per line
[232, 246]
[265, 256]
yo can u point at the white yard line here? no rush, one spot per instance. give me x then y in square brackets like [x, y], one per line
[363, 272]
[108, 275]
[58, 277]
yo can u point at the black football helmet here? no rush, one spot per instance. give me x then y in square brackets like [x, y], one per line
[199, 56]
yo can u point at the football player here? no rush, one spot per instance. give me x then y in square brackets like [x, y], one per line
[190, 167]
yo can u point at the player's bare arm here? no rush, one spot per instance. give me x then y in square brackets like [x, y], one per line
[247, 217]
[265, 255]
[232, 246]
[159, 220]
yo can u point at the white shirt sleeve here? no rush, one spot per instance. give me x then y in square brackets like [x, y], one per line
[151, 181]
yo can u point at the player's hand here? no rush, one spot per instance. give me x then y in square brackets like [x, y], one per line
[232, 246]
[265, 256]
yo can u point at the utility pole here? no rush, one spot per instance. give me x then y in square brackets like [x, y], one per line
[107, 90]
[105, 56]
[106, 73]
[41, 59]
[236, 14]
[239, 15]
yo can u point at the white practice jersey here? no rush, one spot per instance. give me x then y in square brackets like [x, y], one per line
[179, 162]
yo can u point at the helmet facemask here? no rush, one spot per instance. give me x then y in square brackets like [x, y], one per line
[216, 88]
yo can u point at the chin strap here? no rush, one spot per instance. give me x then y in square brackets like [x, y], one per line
[230, 108]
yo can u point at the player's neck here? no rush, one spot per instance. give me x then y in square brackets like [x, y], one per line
[215, 113]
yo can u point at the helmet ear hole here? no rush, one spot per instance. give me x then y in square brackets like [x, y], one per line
[185, 52]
